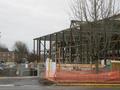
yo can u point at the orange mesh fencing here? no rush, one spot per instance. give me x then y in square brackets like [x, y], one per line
[85, 75]
[72, 76]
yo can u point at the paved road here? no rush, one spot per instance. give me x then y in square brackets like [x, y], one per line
[33, 84]
[51, 88]
[19, 81]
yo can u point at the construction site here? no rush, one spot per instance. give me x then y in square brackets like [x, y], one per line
[83, 53]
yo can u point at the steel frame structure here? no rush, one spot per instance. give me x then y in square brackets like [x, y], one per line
[73, 45]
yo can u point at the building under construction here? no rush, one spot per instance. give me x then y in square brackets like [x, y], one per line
[84, 43]
[81, 43]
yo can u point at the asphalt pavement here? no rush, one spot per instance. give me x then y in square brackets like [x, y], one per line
[34, 84]
[52, 88]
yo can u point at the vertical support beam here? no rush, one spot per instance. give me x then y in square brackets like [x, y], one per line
[50, 47]
[37, 50]
[56, 47]
[40, 50]
[81, 44]
[88, 60]
[44, 49]
[71, 45]
[63, 56]
[34, 46]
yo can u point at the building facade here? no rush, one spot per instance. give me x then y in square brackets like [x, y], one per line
[7, 56]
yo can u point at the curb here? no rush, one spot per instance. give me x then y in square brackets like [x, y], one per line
[92, 84]
[46, 81]
[89, 85]
[26, 77]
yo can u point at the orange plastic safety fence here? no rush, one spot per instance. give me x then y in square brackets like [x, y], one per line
[78, 76]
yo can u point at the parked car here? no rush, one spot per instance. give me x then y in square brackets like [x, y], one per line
[2, 66]
[10, 65]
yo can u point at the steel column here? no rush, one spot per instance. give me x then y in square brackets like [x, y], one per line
[44, 49]
[34, 46]
[37, 50]
[50, 47]
[40, 50]
[56, 47]
[63, 47]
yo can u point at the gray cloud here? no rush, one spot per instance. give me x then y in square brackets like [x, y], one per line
[25, 19]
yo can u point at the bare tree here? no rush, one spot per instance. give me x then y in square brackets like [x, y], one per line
[21, 50]
[97, 15]
[32, 57]
[94, 10]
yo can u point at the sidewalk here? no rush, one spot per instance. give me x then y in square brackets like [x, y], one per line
[25, 77]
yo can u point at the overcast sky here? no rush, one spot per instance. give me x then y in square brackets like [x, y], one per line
[27, 19]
